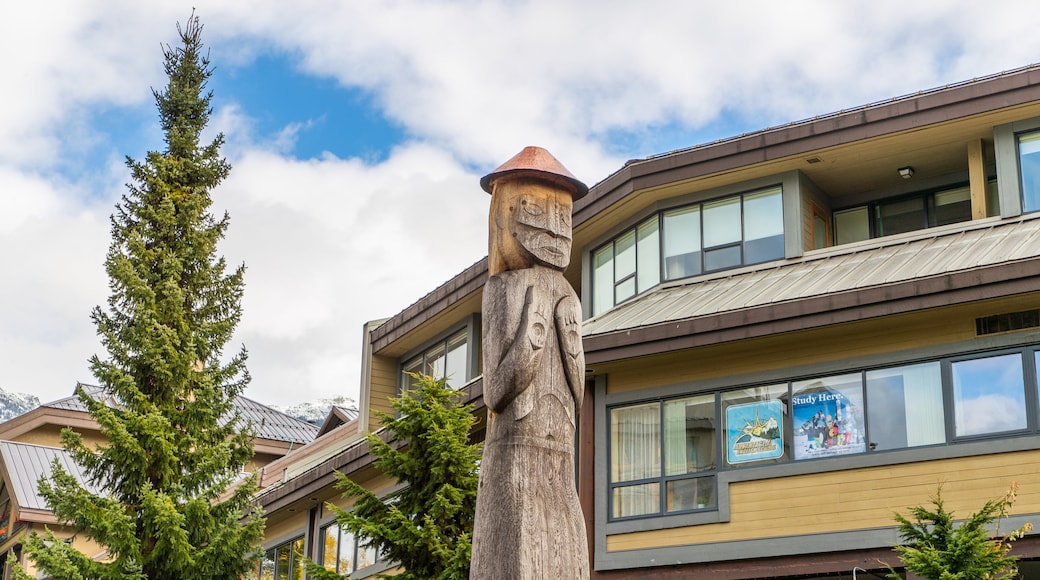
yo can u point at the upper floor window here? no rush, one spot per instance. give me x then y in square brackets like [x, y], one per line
[904, 214]
[1029, 162]
[737, 230]
[450, 358]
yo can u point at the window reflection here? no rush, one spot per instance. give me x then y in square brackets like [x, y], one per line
[989, 395]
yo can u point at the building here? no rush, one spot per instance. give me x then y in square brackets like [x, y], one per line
[30, 443]
[790, 334]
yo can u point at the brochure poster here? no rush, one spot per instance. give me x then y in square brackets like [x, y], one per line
[826, 423]
[754, 431]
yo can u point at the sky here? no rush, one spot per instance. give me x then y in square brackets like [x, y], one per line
[358, 131]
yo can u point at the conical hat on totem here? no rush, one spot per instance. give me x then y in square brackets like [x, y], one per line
[538, 163]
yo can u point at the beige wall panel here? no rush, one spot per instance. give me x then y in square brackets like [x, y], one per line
[284, 528]
[856, 499]
[842, 341]
[384, 387]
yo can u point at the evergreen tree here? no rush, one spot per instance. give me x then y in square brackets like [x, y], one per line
[938, 549]
[173, 442]
[427, 526]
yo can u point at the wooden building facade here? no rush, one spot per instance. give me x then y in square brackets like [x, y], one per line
[789, 335]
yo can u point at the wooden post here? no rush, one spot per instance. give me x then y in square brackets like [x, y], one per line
[529, 523]
[977, 179]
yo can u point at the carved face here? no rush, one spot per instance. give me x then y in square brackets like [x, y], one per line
[534, 224]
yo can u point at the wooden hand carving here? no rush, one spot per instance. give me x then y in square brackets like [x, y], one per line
[568, 331]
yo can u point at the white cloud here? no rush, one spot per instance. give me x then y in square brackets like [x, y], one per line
[332, 242]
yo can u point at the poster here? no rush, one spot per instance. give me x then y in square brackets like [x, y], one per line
[754, 431]
[826, 424]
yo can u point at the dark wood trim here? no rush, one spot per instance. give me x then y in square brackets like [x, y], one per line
[587, 466]
[901, 114]
[954, 288]
[465, 283]
[351, 460]
[893, 116]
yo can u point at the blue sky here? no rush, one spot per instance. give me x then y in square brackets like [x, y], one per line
[358, 131]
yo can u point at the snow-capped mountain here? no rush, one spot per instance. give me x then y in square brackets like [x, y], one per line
[14, 404]
[314, 412]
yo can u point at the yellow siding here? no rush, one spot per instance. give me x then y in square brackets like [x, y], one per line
[853, 500]
[383, 387]
[895, 333]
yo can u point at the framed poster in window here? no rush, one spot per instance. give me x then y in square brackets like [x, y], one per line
[828, 416]
[754, 431]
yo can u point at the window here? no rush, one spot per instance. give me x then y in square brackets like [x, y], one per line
[342, 553]
[284, 562]
[989, 395]
[626, 266]
[664, 453]
[905, 214]
[1029, 162]
[906, 406]
[448, 358]
[828, 416]
[686, 241]
[683, 475]
[755, 424]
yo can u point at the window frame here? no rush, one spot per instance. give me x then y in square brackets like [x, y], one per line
[741, 197]
[276, 549]
[469, 328]
[1009, 170]
[1029, 353]
[874, 218]
[355, 550]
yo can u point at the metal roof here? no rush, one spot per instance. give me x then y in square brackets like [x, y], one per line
[872, 263]
[27, 463]
[275, 425]
[269, 423]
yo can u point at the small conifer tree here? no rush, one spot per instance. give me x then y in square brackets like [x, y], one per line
[427, 526]
[938, 549]
[173, 442]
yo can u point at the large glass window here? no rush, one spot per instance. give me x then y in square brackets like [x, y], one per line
[284, 562]
[828, 416]
[626, 266]
[664, 453]
[682, 242]
[1029, 161]
[635, 450]
[906, 407]
[446, 359]
[686, 241]
[342, 553]
[683, 474]
[904, 214]
[755, 424]
[989, 395]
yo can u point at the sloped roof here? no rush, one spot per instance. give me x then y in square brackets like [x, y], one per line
[873, 263]
[275, 425]
[27, 463]
[338, 415]
[269, 423]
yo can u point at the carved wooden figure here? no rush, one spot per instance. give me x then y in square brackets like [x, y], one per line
[529, 523]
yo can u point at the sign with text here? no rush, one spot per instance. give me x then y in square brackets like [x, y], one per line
[754, 431]
[826, 423]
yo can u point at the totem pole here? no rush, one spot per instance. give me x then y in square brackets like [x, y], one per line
[529, 523]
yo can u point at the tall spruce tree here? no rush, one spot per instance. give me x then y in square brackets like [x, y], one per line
[173, 442]
[427, 525]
